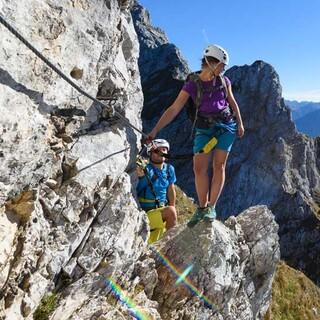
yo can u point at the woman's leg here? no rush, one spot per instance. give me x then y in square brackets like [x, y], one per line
[218, 179]
[200, 168]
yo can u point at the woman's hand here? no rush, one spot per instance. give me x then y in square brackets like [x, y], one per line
[240, 130]
[150, 137]
[152, 134]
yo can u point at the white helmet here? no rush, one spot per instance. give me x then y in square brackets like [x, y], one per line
[157, 143]
[215, 51]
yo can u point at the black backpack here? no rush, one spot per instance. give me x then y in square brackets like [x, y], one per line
[192, 107]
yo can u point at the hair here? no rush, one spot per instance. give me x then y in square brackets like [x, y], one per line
[210, 60]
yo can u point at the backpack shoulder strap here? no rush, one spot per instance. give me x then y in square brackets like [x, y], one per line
[194, 77]
[219, 84]
[150, 185]
[224, 85]
[168, 171]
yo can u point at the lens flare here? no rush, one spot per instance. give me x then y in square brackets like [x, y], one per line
[184, 274]
[133, 309]
[182, 278]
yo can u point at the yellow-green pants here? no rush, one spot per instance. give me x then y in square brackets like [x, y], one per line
[157, 225]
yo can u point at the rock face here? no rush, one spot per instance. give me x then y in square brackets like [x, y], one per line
[67, 210]
[160, 63]
[272, 165]
[276, 166]
[232, 267]
[69, 223]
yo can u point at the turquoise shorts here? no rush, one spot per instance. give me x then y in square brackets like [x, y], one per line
[225, 134]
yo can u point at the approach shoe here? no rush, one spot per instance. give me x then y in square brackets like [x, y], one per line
[197, 217]
[210, 214]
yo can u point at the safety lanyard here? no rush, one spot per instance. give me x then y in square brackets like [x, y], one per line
[152, 187]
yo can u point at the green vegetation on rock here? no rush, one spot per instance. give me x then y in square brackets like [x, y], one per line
[294, 296]
[184, 205]
[47, 305]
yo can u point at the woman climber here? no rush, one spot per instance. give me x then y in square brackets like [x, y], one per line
[212, 95]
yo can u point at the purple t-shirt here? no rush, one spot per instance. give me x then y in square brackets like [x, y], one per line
[211, 102]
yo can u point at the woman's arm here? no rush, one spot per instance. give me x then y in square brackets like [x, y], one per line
[170, 113]
[233, 104]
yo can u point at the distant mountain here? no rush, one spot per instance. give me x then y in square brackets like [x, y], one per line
[310, 123]
[300, 109]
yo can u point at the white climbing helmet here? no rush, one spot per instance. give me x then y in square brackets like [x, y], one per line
[158, 143]
[215, 51]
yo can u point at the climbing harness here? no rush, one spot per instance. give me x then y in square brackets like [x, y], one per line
[64, 77]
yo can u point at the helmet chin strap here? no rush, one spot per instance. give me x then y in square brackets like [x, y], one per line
[210, 66]
[212, 69]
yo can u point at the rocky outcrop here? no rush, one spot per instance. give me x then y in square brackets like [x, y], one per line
[275, 165]
[231, 268]
[272, 165]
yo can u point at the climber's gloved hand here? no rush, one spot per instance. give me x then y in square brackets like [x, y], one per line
[139, 172]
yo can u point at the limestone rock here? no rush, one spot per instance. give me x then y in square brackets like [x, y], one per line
[232, 268]
[64, 195]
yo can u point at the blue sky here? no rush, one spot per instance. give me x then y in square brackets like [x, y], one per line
[284, 33]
